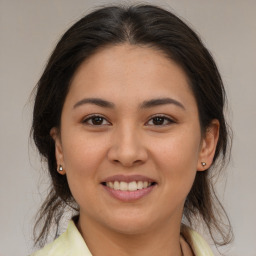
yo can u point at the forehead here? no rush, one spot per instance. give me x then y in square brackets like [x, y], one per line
[127, 72]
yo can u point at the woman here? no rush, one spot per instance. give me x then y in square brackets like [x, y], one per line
[129, 116]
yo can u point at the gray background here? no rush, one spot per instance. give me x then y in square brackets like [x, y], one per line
[29, 29]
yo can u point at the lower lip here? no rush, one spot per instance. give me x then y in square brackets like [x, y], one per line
[127, 196]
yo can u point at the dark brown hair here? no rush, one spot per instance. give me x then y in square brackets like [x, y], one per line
[137, 25]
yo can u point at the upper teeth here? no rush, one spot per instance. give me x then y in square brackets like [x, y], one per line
[128, 186]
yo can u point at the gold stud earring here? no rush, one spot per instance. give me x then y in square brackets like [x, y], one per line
[203, 164]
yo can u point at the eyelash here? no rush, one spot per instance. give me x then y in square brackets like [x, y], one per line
[85, 121]
[169, 120]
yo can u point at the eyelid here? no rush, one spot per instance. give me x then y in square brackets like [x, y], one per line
[84, 120]
[170, 120]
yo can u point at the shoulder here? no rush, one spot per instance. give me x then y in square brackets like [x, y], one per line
[197, 243]
[69, 243]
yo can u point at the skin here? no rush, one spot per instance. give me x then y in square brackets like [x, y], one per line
[128, 141]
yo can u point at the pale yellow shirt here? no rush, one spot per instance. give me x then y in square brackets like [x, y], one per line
[71, 243]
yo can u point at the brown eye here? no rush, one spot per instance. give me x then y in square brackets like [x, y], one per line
[160, 121]
[96, 120]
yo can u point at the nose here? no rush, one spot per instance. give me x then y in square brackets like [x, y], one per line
[127, 147]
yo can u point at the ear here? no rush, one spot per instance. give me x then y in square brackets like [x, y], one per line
[208, 146]
[55, 134]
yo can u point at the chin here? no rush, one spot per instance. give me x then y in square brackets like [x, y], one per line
[130, 224]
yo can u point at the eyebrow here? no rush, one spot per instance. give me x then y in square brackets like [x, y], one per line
[95, 101]
[145, 104]
[159, 102]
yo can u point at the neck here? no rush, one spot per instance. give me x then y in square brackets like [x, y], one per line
[101, 241]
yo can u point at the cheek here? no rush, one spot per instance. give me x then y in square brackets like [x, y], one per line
[82, 157]
[181, 150]
[81, 153]
[176, 158]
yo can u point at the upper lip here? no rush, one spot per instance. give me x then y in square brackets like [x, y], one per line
[128, 178]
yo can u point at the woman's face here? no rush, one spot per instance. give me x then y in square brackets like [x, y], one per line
[130, 140]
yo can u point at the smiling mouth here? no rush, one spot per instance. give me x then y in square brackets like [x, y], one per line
[128, 186]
